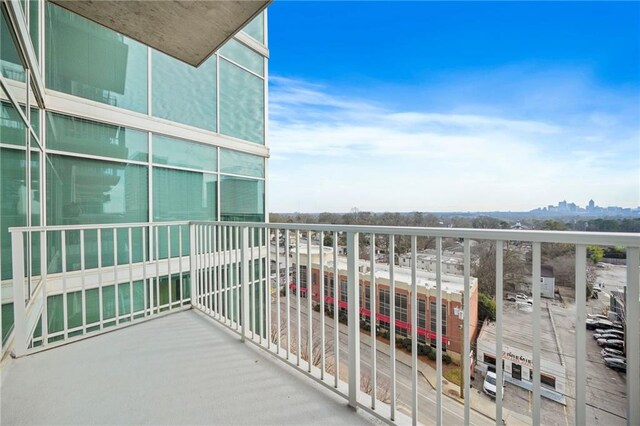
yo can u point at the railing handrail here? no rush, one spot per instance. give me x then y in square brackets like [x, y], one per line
[627, 239]
[96, 226]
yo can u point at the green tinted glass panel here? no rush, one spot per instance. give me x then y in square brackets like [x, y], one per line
[83, 191]
[7, 319]
[35, 212]
[255, 28]
[54, 313]
[93, 306]
[181, 153]
[242, 55]
[239, 163]
[12, 128]
[182, 195]
[10, 63]
[184, 93]
[241, 199]
[87, 60]
[241, 103]
[13, 206]
[74, 309]
[108, 302]
[34, 15]
[74, 134]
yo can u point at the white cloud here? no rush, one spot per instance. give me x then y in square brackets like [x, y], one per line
[332, 152]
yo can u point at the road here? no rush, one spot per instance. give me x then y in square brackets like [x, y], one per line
[452, 412]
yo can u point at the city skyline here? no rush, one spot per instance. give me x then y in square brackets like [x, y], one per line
[441, 112]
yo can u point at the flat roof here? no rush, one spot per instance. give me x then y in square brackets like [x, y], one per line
[517, 330]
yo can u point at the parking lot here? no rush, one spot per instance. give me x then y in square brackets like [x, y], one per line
[606, 388]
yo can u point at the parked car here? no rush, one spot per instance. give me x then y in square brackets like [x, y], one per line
[489, 387]
[610, 331]
[611, 343]
[610, 351]
[597, 316]
[594, 323]
[616, 364]
[618, 325]
[620, 357]
[598, 336]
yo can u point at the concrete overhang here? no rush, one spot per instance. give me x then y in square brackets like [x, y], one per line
[187, 30]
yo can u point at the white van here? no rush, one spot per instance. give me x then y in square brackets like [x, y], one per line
[489, 386]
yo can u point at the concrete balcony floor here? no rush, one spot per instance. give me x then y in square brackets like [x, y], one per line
[177, 369]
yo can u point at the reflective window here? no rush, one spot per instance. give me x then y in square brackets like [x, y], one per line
[34, 15]
[241, 199]
[242, 55]
[241, 103]
[87, 60]
[183, 195]
[184, 93]
[90, 191]
[255, 28]
[12, 128]
[181, 153]
[73, 134]
[239, 163]
[13, 203]
[10, 63]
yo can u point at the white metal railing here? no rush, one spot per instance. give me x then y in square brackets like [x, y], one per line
[289, 315]
[299, 314]
[94, 278]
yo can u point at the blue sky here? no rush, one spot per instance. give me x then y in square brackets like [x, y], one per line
[403, 106]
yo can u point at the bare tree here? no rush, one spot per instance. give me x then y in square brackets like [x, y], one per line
[484, 268]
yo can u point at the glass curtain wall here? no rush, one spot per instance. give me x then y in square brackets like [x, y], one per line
[75, 170]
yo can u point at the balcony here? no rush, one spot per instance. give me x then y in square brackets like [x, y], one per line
[147, 320]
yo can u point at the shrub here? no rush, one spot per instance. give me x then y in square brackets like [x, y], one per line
[446, 359]
[316, 307]
[406, 342]
[432, 355]
[429, 350]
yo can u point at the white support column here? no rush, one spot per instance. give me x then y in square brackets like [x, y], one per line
[353, 317]
[499, 302]
[438, 329]
[245, 282]
[581, 318]
[535, 289]
[192, 266]
[413, 321]
[19, 310]
[466, 374]
[633, 336]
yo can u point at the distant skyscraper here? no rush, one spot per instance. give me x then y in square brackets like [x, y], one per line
[592, 205]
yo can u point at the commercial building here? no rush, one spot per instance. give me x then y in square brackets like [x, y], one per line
[452, 262]
[119, 133]
[452, 297]
[517, 350]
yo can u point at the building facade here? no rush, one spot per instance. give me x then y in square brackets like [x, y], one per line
[452, 298]
[121, 133]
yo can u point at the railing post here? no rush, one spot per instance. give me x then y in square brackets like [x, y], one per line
[192, 264]
[632, 342]
[244, 281]
[353, 296]
[19, 310]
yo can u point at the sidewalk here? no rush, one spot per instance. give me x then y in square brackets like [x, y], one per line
[479, 402]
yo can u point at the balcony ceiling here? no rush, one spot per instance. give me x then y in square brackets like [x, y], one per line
[187, 30]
